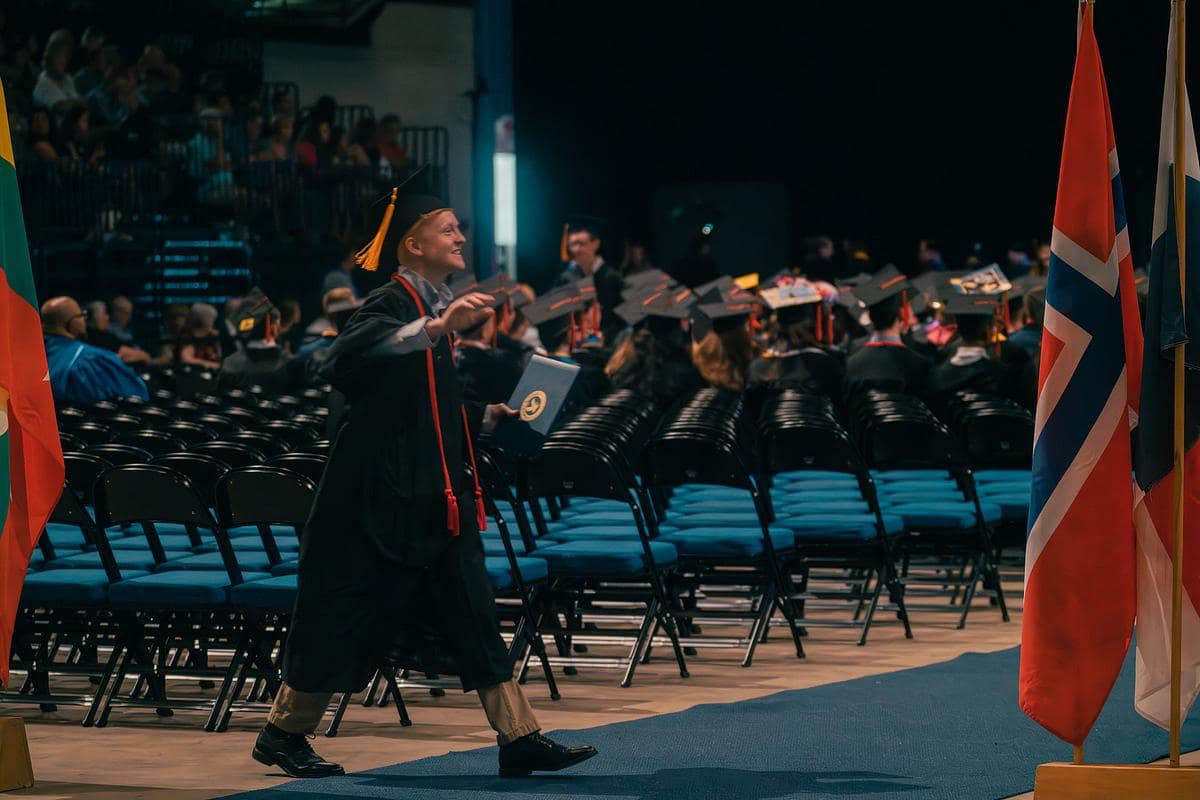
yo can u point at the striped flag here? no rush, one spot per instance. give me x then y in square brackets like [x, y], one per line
[1079, 563]
[1167, 326]
[31, 462]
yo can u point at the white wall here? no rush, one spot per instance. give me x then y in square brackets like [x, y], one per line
[418, 65]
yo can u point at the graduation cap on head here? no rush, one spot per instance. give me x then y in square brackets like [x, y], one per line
[719, 317]
[972, 305]
[576, 223]
[882, 287]
[499, 286]
[713, 291]
[989, 280]
[406, 207]
[253, 315]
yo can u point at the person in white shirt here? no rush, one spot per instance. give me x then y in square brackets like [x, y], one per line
[55, 88]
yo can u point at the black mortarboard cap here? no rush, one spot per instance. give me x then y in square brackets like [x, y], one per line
[721, 316]
[407, 205]
[250, 319]
[882, 286]
[714, 290]
[973, 305]
[552, 306]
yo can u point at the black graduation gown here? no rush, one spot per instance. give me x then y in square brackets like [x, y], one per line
[816, 370]
[988, 374]
[891, 368]
[489, 375]
[379, 572]
[268, 367]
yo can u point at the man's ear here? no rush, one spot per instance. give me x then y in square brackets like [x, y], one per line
[412, 246]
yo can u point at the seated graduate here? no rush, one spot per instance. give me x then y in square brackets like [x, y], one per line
[654, 359]
[1032, 316]
[81, 374]
[515, 328]
[261, 362]
[722, 347]
[488, 373]
[972, 362]
[796, 356]
[559, 317]
[885, 361]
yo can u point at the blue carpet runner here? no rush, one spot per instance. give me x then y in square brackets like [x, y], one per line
[950, 731]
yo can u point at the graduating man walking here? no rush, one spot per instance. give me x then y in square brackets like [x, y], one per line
[391, 562]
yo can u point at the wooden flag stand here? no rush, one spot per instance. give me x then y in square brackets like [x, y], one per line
[16, 770]
[1079, 781]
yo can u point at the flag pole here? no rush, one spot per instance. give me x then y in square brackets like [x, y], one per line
[1180, 177]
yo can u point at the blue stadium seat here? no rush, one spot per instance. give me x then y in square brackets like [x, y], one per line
[944, 514]
[139, 560]
[175, 541]
[843, 526]
[616, 558]
[68, 587]
[500, 572]
[276, 594]
[825, 507]
[727, 542]
[1002, 475]
[895, 475]
[61, 535]
[176, 589]
[807, 475]
[255, 561]
[1013, 507]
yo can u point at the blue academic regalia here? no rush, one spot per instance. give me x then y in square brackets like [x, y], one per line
[81, 374]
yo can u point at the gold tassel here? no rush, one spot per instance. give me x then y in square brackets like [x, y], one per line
[562, 246]
[368, 257]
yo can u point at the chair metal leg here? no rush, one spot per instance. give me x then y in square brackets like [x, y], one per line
[336, 722]
[223, 696]
[635, 653]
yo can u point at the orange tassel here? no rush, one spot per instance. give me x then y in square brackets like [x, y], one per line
[563, 253]
[452, 513]
[368, 257]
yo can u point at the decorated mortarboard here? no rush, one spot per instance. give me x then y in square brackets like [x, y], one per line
[988, 280]
[746, 282]
[797, 293]
[252, 314]
[972, 305]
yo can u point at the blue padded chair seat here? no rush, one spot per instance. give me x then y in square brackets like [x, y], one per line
[813, 475]
[289, 567]
[139, 560]
[783, 497]
[887, 489]
[581, 504]
[493, 545]
[715, 519]
[698, 506]
[1013, 507]
[628, 533]
[36, 560]
[500, 574]
[944, 514]
[277, 594]
[174, 541]
[727, 542]
[894, 475]
[1024, 476]
[1003, 487]
[280, 531]
[592, 519]
[65, 535]
[933, 495]
[604, 558]
[825, 507]
[815, 484]
[253, 544]
[838, 526]
[173, 529]
[708, 491]
[68, 587]
[177, 588]
[247, 560]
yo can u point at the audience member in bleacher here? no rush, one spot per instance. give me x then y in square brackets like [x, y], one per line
[175, 326]
[324, 323]
[262, 362]
[315, 147]
[98, 333]
[208, 162]
[885, 362]
[392, 549]
[43, 138]
[76, 139]
[200, 346]
[279, 142]
[120, 318]
[100, 62]
[55, 88]
[80, 373]
[387, 142]
[342, 275]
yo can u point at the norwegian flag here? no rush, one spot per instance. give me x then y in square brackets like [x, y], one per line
[1079, 562]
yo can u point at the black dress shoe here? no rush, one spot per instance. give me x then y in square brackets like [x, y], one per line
[537, 753]
[292, 753]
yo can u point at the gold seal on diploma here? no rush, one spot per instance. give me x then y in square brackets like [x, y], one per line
[533, 405]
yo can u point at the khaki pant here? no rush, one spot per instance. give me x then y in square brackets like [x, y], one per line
[507, 710]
